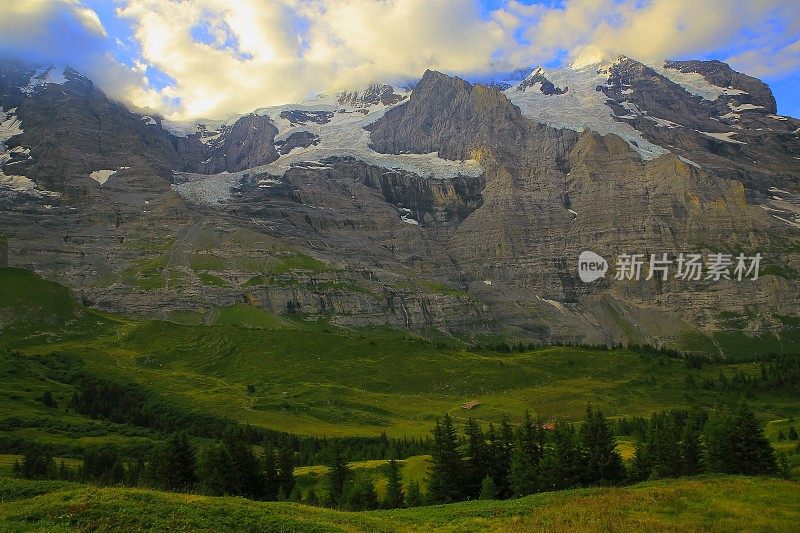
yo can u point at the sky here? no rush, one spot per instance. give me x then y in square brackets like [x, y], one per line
[190, 59]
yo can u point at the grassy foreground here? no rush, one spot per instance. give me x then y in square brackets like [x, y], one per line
[720, 503]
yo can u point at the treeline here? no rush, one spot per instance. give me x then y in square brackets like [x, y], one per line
[501, 462]
[507, 462]
[777, 373]
[226, 466]
[504, 462]
[132, 404]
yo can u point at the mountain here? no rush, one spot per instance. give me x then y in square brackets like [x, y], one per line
[459, 207]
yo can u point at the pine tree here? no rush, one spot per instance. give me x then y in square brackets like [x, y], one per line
[500, 448]
[246, 479]
[565, 464]
[296, 496]
[477, 460]
[756, 455]
[48, 400]
[783, 468]
[360, 495]
[394, 487]
[735, 444]
[37, 463]
[792, 433]
[664, 446]
[691, 447]
[524, 473]
[642, 465]
[286, 480]
[270, 468]
[215, 470]
[338, 475]
[603, 465]
[64, 473]
[445, 484]
[414, 495]
[488, 490]
[179, 473]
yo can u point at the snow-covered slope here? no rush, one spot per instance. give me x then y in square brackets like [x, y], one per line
[582, 106]
[339, 128]
[51, 75]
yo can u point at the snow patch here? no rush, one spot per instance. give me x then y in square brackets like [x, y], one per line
[184, 129]
[267, 183]
[101, 176]
[44, 76]
[207, 189]
[405, 216]
[722, 136]
[16, 183]
[208, 137]
[581, 108]
[10, 126]
[689, 161]
[777, 117]
[743, 107]
[796, 225]
[775, 189]
[695, 83]
[554, 303]
[662, 122]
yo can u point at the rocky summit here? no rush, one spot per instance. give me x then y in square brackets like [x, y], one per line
[452, 207]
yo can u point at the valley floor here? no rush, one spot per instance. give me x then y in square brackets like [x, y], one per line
[713, 503]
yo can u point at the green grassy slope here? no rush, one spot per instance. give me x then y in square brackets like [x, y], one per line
[726, 503]
[316, 379]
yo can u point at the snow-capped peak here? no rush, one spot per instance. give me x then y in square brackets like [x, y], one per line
[591, 55]
[534, 72]
[45, 76]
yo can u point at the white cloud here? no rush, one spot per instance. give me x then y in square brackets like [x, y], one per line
[66, 32]
[226, 57]
[255, 53]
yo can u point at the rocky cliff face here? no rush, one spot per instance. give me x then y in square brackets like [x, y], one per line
[733, 131]
[249, 142]
[455, 209]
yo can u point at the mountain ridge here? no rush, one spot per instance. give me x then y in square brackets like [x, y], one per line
[487, 194]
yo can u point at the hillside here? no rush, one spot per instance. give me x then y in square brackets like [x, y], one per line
[314, 378]
[711, 504]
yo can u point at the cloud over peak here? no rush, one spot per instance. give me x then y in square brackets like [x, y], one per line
[213, 58]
